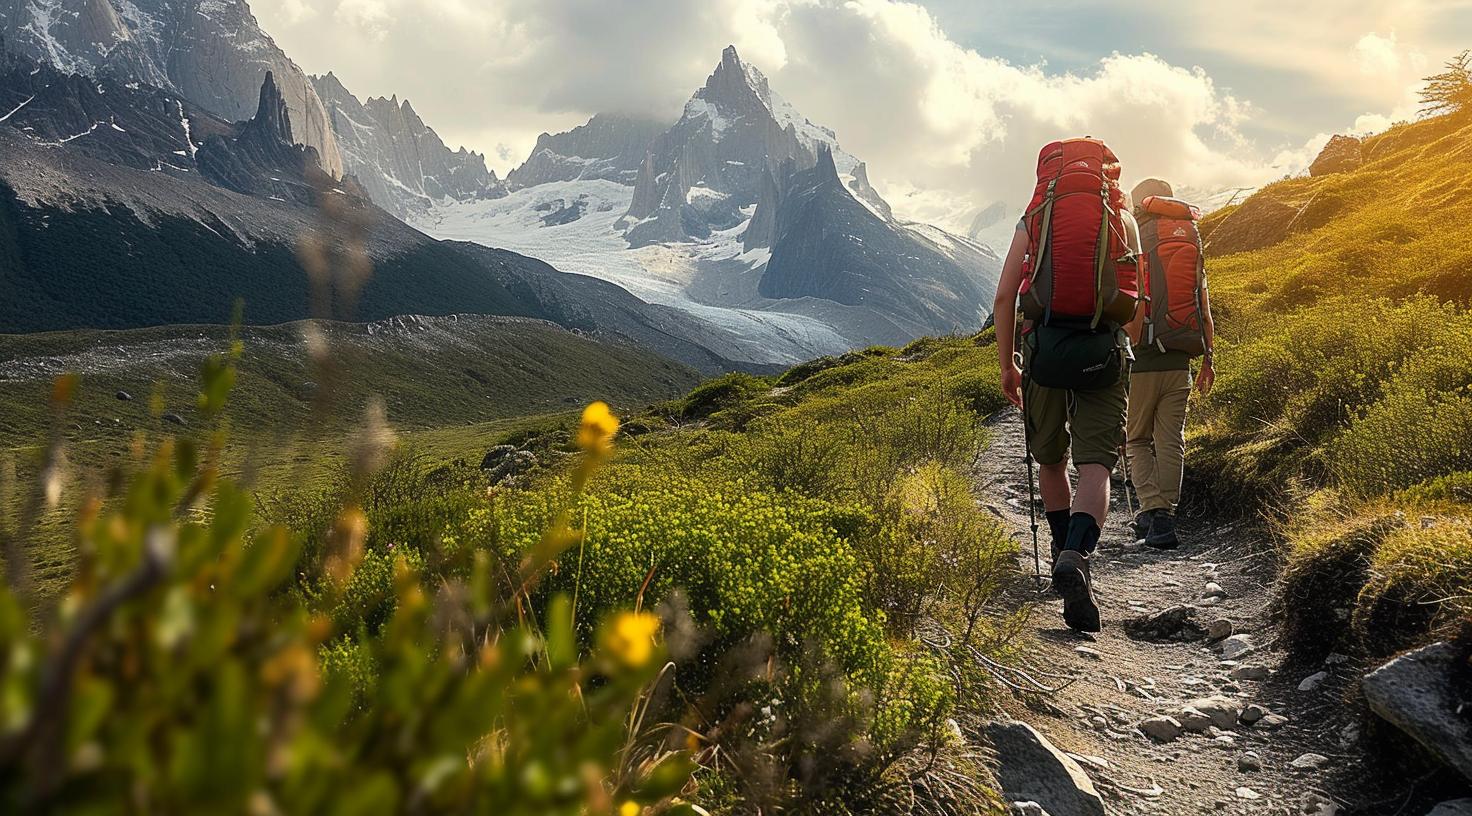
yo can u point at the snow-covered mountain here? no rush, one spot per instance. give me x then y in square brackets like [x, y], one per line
[211, 52]
[731, 219]
[403, 164]
[611, 147]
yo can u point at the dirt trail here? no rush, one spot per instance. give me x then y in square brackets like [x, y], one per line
[1121, 681]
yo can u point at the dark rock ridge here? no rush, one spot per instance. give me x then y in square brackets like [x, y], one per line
[826, 244]
[610, 147]
[1340, 155]
[212, 53]
[400, 161]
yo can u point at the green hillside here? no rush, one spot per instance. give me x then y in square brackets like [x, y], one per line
[449, 386]
[1344, 398]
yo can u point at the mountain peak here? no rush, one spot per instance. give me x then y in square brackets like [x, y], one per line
[271, 111]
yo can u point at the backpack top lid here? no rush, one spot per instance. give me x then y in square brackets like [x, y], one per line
[1169, 208]
[1084, 153]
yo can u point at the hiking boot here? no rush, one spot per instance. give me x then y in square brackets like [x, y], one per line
[1162, 535]
[1142, 524]
[1071, 581]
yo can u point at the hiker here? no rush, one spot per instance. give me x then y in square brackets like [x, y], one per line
[1173, 328]
[1072, 269]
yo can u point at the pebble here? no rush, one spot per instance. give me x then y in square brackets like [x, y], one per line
[1214, 590]
[1237, 646]
[1210, 600]
[1087, 651]
[1098, 723]
[1248, 793]
[1252, 713]
[1310, 762]
[1273, 721]
[1162, 729]
[1223, 711]
[1250, 671]
[1313, 681]
[1249, 762]
[1193, 720]
[1226, 741]
[1219, 629]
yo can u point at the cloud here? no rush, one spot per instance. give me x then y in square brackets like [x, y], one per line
[945, 130]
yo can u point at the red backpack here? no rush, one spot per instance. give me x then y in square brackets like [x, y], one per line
[1175, 274]
[1080, 268]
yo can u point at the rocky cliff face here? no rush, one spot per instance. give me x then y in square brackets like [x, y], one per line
[712, 162]
[610, 147]
[211, 52]
[403, 164]
[827, 244]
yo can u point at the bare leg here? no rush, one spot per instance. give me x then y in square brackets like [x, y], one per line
[1053, 482]
[1093, 492]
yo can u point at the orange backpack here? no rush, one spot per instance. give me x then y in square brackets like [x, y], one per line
[1079, 268]
[1174, 275]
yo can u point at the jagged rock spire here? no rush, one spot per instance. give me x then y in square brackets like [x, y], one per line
[271, 114]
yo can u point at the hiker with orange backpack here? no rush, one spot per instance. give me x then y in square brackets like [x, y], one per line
[1072, 270]
[1173, 328]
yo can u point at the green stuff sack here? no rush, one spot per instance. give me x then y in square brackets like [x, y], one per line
[1075, 358]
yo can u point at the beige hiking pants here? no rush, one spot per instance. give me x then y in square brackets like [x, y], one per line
[1155, 436]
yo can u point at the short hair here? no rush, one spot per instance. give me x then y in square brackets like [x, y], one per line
[1151, 187]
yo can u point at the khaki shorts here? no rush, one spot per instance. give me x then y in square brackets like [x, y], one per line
[1091, 423]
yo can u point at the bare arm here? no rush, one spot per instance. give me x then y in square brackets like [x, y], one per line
[1206, 377]
[1004, 317]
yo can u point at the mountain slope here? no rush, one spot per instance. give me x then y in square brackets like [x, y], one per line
[609, 147]
[699, 224]
[211, 52]
[1345, 311]
[132, 220]
[829, 245]
[401, 163]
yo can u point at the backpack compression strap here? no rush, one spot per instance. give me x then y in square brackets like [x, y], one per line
[1101, 256]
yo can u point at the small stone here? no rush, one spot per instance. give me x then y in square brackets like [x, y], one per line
[1252, 713]
[1161, 729]
[1310, 762]
[174, 418]
[1087, 651]
[1211, 600]
[1273, 722]
[1098, 723]
[124, 396]
[1335, 659]
[1214, 590]
[1223, 711]
[1250, 671]
[1249, 762]
[1316, 804]
[1226, 741]
[1193, 720]
[1248, 794]
[1218, 629]
[1313, 681]
[1028, 809]
[1237, 646]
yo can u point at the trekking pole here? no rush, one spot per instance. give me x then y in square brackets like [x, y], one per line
[1032, 502]
[1129, 482]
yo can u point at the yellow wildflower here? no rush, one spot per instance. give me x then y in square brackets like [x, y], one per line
[595, 434]
[629, 808]
[630, 638]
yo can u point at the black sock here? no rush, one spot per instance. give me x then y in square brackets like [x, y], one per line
[1083, 533]
[1058, 524]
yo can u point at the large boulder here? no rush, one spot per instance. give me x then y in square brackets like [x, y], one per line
[1425, 693]
[1030, 769]
[1340, 155]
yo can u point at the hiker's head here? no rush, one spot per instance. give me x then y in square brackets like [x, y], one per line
[1151, 187]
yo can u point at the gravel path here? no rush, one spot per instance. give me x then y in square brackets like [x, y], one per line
[1299, 756]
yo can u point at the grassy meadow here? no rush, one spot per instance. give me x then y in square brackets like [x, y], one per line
[1344, 393]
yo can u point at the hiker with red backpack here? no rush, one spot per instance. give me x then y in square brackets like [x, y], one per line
[1174, 327]
[1072, 268]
